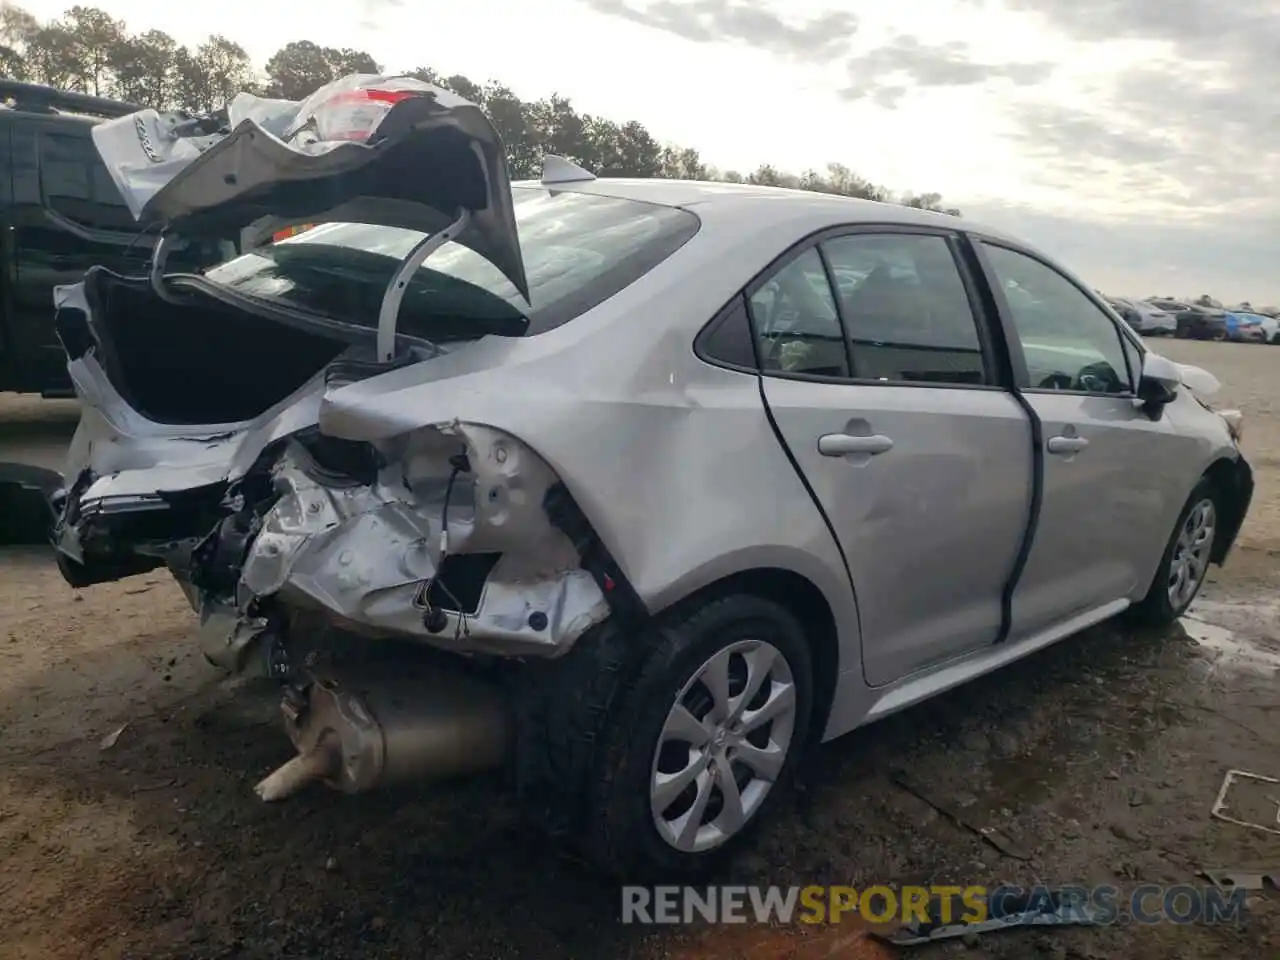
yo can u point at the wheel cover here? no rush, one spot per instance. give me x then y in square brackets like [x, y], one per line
[722, 746]
[1190, 559]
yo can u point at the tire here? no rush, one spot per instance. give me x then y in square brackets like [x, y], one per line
[600, 747]
[1158, 608]
[24, 517]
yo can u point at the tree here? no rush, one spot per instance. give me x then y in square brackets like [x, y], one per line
[682, 163]
[147, 69]
[208, 79]
[95, 37]
[91, 51]
[51, 56]
[298, 68]
[17, 27]
[463, 87]
[510, 117]
[928, 201]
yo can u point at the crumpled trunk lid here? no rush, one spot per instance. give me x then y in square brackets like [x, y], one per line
[363, 149]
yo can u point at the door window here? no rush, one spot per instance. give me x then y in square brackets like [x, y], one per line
[75, 183]
[796, 324]
[1068, 341]
[906, 309]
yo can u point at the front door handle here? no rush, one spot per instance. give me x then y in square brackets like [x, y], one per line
[843, 444]
[1066, 445]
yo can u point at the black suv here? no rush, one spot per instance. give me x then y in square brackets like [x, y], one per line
[1194, 321]
[62, 214]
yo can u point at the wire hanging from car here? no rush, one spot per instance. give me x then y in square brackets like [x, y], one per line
[459, 464]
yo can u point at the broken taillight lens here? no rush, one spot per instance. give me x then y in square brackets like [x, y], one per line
[355, 114]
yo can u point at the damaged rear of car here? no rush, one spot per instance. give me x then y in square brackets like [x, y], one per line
[205, 445]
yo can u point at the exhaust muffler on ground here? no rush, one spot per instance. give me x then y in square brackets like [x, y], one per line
[356, 731]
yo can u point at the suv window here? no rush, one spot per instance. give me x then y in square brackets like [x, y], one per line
[1068, 341]
[905, 307]
[579, 250]
[74, 182]
[796, 324]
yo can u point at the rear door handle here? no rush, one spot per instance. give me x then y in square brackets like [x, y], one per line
[842, 444]
[1065, 445]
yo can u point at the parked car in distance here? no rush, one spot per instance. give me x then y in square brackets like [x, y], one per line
[1246, 327]
[1261, 327]
[1145, 318]
[1194, 322]
[547, 487]
[62, 214]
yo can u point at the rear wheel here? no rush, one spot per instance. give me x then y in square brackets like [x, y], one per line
[698, 744]
[1185, 561]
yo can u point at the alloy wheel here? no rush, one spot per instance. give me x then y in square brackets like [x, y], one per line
[1190, 559]
[723, 745]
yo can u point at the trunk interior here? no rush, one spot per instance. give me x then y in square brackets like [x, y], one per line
[198, 362]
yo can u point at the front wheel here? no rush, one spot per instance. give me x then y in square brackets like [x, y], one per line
[1185, 561]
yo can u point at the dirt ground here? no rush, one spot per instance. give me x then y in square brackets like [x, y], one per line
[1100, 757]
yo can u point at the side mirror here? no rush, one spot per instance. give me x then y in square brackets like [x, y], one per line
[1159, 383]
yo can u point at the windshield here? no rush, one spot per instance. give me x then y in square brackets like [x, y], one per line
[579, 249]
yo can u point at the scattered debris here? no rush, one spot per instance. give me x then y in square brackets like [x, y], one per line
[136, 590]
[110, 739]
[1243, 878]
[991, 835]
[1221, 806]
[1038, 908]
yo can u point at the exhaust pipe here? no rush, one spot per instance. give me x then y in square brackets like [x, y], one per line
[359, 731]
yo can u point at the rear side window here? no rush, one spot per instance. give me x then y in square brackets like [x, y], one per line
[796, 321]
[75, 183]
[906, 310]
[579, 249]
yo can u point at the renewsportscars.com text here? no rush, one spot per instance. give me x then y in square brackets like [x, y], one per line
[1147, 904]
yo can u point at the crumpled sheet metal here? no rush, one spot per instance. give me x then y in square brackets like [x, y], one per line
[364, 555]
[278, 162]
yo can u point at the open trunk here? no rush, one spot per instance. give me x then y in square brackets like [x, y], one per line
[182, 389]
[198, 361]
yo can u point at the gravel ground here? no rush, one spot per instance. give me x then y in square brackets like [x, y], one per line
[1100, 757]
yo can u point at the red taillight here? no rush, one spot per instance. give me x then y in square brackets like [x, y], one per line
[288, 232]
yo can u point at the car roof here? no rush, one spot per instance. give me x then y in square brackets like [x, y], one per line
[80, 119]
[721, 200]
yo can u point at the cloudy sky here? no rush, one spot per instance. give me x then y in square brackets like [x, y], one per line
[1136, 139]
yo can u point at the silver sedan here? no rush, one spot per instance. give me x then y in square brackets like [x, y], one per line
[638, 486]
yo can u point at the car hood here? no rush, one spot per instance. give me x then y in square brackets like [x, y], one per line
[366, 149]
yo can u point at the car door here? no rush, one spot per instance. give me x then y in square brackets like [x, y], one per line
[67, 216]
[1114, 478]
[885, 390]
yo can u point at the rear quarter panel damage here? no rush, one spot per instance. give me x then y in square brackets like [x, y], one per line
[675, 466]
